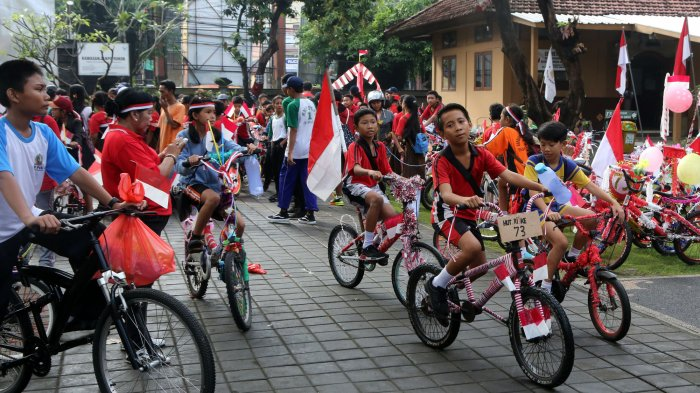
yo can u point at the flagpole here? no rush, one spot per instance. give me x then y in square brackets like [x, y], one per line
[692, 68]
[634, 90]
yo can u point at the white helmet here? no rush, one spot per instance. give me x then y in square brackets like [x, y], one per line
[375, 95]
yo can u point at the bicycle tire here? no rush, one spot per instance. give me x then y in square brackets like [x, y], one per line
[428, 194]
[238, 291]
[663, 247]
[338, 268]
[19, 380]
[426, 326]
[400, 273]
[106, 349]
[488, 231]
[607, 310]
[681, 247]
[608, 255]
[197, 281]
[555, 376]
[37, 289]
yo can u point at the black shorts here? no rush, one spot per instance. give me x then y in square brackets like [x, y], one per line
[460, 227]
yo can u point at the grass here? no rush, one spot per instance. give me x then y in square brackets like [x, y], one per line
[640, 262]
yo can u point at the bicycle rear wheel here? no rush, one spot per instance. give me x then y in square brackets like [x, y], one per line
[14, 333]
[547, 360]
[615, 249]
[612, 317]
[238, 289]
[34, 291]
[689, 250]
[171, 346]
[426, 326]
[197, 276]
[348, 272]
[428, 194]
[422, 253]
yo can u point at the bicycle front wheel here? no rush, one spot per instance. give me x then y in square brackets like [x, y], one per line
[197, 275]
[546, 360]
[612, 317]
[14, 333]
[426, 326]
[420, 254]
[617, 247]
[238, 289]
[171, 346]
[346, 266]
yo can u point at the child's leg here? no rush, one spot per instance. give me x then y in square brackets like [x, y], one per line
[470, 255]
[240, 224]
[210, 202]
[580, 240]
[375, 204]
[288, 178]
[556, 238]
[309, 197]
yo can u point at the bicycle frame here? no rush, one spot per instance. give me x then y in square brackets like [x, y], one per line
[633, 203]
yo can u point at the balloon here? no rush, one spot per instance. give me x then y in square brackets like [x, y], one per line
[677, 99]
[688, 169]
[654, 157]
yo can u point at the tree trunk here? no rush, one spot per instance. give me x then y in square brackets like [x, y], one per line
[536, 106]
[568, 48]
[271, 49]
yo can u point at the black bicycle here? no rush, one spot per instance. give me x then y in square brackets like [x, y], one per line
[144, 340]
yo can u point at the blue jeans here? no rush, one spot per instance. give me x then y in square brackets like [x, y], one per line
[289, 176]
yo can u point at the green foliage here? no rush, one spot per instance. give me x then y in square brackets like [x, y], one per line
[340, 27]
[257, 15]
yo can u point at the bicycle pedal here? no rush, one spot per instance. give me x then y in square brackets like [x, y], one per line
[469, 311]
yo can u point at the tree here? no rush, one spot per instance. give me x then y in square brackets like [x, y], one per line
[336, 31]
[39, 37]
[259, 20]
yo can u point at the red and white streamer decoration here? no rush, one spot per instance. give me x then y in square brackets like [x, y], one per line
[357, 71]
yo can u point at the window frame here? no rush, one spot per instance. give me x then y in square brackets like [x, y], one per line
[479, 70]
[452, 77]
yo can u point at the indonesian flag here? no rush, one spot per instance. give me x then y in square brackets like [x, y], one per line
[503, 275]
[550, 86]
[361, 81]
[648, 143]
[540, 272]
[228, 128]
[326, 147]
[362, 52]
[695, 145]
[610, 151]
[683, 51]
[96, 167]
[156, 187]
[393, 226]
[533, 323]
[230, 111]
[622, 61]
[556, 115]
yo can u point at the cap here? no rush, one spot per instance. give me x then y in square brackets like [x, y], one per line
[222, 97]
[295, 83]
[63, 103]
[392, 90]
[285, 78]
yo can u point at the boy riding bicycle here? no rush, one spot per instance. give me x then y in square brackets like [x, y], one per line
[457, 173]
[366, 164]
[552, 136]
[199, 183]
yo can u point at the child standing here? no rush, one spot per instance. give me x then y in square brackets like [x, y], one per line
[366, 164]
[279, 142]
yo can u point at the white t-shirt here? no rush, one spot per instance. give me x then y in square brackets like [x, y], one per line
[279, 129]
[300, 114]
[28, 159]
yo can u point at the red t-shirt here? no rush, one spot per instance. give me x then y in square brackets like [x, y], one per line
[356, 155]
[397, 119]
[124, 148]
[394, 108]
[402, 125]
[98, 122]
[48, 183]
[346, 117]
[155, 121]
[429, 112]
[307, 94]
[491, 130]
[260, 117]
[444, 172]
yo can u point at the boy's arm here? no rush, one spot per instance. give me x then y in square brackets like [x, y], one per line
[453, 199]
[13, 195]
[521, 181]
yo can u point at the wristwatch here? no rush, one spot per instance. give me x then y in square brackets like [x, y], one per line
[113, 202]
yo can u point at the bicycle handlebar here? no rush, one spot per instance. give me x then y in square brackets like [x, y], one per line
[187, 163]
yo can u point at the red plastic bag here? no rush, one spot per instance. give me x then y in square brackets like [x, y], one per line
[130, 192]
[133, 248]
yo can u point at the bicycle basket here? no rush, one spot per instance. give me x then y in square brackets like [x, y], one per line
[623, 180]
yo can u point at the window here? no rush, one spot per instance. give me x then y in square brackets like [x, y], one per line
[482, 33]
[449, 73]
[449, 39]
[482, 71]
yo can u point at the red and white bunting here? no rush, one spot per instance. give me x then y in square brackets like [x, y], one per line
[504, 276]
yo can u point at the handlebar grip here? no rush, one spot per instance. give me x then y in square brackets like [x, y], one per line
[187, 164]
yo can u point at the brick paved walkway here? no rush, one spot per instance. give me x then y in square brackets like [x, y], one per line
[310, 334]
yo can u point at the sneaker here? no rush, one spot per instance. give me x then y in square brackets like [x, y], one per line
[281, 217]
[438, 302]
[372, 253]
[338, 201]
[308, 219]
[195, 245]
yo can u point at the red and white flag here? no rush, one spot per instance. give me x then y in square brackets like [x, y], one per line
[228, 128]
[504, 276]
[96, 167]
[326, 146]
[156, 187]
[556, 115]
[622, 61]
[695, 145]
[648, 142]
[540, 272]
[611, 148]
[230, 111]
[683, 51]
[362, 52]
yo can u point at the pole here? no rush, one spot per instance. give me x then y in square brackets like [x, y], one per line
[692, 69]
[634, 90]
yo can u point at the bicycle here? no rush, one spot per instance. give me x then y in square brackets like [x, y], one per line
[345, 245]
[608, 303]
[428, 195]
[69, 199]
[227, 254]
[530, 307]
[159, 355]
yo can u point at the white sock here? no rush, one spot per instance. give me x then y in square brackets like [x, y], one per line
[442, 279]
[547, 286]
[574, 252]
[369, 238]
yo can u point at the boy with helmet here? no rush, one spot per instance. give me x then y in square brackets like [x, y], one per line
[384, 117]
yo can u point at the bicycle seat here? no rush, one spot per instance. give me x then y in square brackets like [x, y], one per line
[49, 275]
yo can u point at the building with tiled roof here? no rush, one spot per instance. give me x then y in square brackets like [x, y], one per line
[470, 68]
